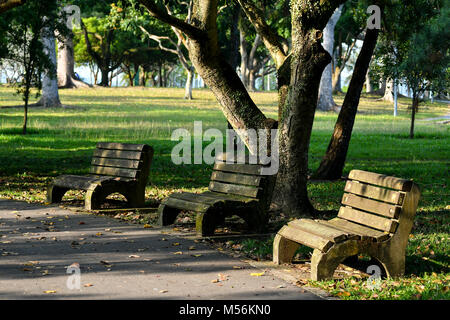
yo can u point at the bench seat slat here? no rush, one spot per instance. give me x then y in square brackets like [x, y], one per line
[311, 226]
[367, 219]
[368, 191]
[185, 204]
[308, 239]
[364, 232]
[381, 208]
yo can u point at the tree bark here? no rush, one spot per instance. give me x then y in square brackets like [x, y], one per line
[333, 162]
[188, 87]
[6, 5]
[50, 95]
[326, 102]
[66, 65]
[369, 88]
[415, 105]
[389, 91]
[299, 77]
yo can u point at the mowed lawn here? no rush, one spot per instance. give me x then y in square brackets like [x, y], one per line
[61, 141]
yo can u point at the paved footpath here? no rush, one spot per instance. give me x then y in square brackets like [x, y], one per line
[118, 260]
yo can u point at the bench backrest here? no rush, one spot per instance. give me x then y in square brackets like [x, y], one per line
[241, 179]
[123, 160]
[378, 201]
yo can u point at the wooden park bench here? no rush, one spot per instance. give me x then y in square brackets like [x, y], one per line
[115, 167]
[375, 219]
[235, 189]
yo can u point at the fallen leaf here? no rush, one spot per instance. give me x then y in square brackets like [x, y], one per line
[178, 252]
[50, 291]
[163, 291]
[147, 226]
[133, 256]
[176, 244]
[88, 285]
[255, 274]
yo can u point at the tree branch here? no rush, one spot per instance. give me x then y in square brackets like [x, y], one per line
[190, 30]
[5, 5]
[270, 38]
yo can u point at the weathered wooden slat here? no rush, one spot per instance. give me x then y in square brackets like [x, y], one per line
[246, 191]
[365, 190]
[78, 182]
[365, 233]
[231, 197]
[367, 219]
[236, 178]
[381, 180]
[197, 197]
[251, 169]
[381, 208]
[117, 163]
[120, 146]
[185, 205]
[117, 154]
[305, 238]
[311, 226]
[115, 172]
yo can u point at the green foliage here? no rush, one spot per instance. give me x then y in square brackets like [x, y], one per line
[415, 45]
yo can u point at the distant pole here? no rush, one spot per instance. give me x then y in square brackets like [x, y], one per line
[431, 96]
[395, 97]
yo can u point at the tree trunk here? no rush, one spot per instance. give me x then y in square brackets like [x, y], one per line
[369, 88]
[326, 102]
[389, 91]
[50, 95]
[188, 87]
[415, 105]
[66, 65]
[104, 82]
[333, 162]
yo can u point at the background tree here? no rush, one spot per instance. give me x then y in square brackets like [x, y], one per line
[26, 27]
[326, 101]
[333, 162]
[299, 70]
[414, 49]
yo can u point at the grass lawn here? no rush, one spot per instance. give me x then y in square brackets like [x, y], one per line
[60, 141]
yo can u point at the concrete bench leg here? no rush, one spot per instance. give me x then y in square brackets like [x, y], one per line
[283, 249]
[323, 264]
[55, 193]
[167, 215]
[206, 222]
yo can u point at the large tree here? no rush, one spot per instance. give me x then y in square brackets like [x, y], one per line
[299, 69]
[326, 101]
[333, 162]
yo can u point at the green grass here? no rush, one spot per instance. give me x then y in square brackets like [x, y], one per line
[60, 141]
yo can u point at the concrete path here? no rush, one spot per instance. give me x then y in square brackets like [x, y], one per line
[118, 260]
